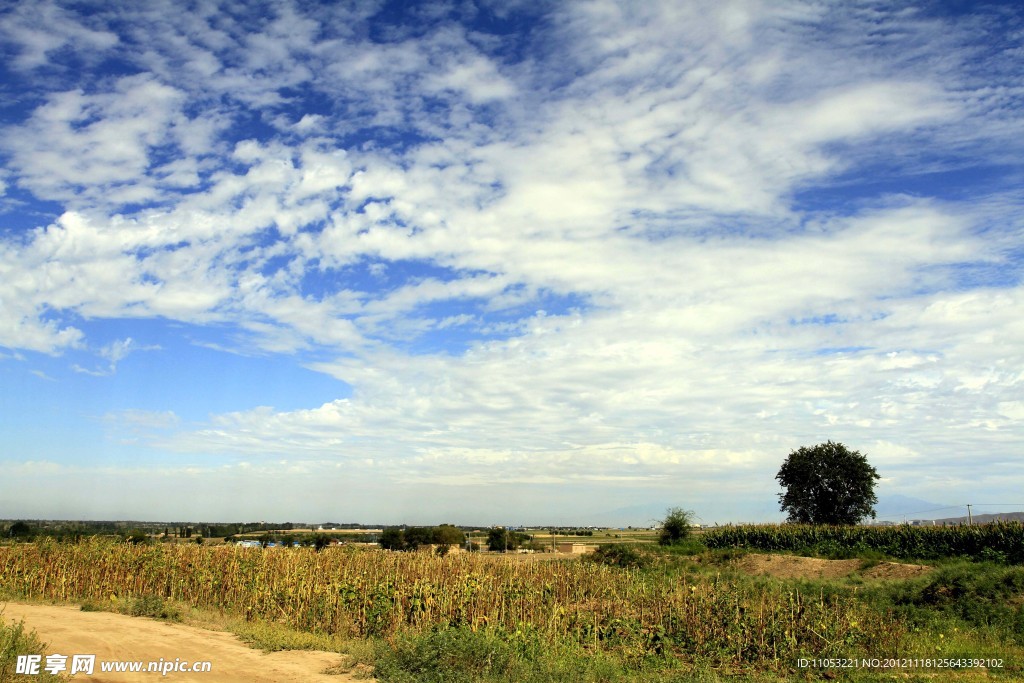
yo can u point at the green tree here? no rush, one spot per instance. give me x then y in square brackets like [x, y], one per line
[827, 484]
[392, 538]
[675, 528]
[135, 537]
[448, 535]
[416, 536]
[500, 539]
[19, 530]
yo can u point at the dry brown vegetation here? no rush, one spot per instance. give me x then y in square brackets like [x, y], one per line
[365, 593]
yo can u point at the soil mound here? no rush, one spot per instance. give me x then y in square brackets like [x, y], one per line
[794, 567]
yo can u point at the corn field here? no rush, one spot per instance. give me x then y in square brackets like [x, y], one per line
[371, 593]
[1001, 541]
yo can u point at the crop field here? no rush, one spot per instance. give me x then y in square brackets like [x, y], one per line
[490, 619]
[1000, 541]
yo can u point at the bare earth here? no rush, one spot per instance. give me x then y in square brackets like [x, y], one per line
[793, 567]
[116, 637]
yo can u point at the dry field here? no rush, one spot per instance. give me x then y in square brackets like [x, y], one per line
[117, 637]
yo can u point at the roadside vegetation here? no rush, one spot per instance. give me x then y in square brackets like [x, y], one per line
[14, 641]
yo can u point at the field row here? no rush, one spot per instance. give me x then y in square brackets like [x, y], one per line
[1000, 541]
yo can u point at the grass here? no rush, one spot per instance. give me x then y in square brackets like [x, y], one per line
[16, 640]
[985, 598]
[151, 606]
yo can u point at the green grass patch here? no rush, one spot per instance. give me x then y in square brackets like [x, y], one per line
[985, 597]
[16, 640]
[464, 655]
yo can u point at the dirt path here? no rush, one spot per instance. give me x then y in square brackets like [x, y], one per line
[796, 567]
[115, 637]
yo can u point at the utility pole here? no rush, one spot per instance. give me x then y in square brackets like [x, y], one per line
[970, 521]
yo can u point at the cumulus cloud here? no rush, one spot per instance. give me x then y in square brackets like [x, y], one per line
[629, 242]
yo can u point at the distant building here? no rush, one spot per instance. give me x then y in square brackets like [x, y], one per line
[575, 548]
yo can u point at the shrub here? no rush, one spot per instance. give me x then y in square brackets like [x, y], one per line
[153, 606]
[14, 641]
[444, 655]
[675, 528]
[620, 555]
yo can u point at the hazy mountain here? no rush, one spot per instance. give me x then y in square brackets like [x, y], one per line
[895, 507]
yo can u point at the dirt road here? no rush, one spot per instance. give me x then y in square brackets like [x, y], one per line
[115, 637]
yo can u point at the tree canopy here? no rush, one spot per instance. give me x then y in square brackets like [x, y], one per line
[675, 528]
[827, 484]
[19, 530]
[500, 539]
[412, 538]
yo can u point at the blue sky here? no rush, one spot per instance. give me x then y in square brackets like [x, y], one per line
[502, 262]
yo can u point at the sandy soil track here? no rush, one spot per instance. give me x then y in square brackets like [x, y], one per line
[115, 637]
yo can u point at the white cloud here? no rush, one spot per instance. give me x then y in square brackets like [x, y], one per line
[478, 79]
[635, 170]
[23, 27]
[101, 144]
[114, 353]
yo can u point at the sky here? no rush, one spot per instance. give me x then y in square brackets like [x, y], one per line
[500, 262]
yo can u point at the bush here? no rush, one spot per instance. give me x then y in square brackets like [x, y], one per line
[443, 656]
[153, 606]
[14, 641]
[620, 555]
[136, 537]
[675, 528]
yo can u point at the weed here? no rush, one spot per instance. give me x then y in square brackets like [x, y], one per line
[153, 606]
[620, 555]
[15, 641]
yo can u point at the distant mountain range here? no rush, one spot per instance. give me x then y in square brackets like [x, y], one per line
[895, 509]
[898, 508]
[985, 519]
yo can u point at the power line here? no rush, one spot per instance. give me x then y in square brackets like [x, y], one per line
[950, 507]
[921, 512]
[996, 504]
